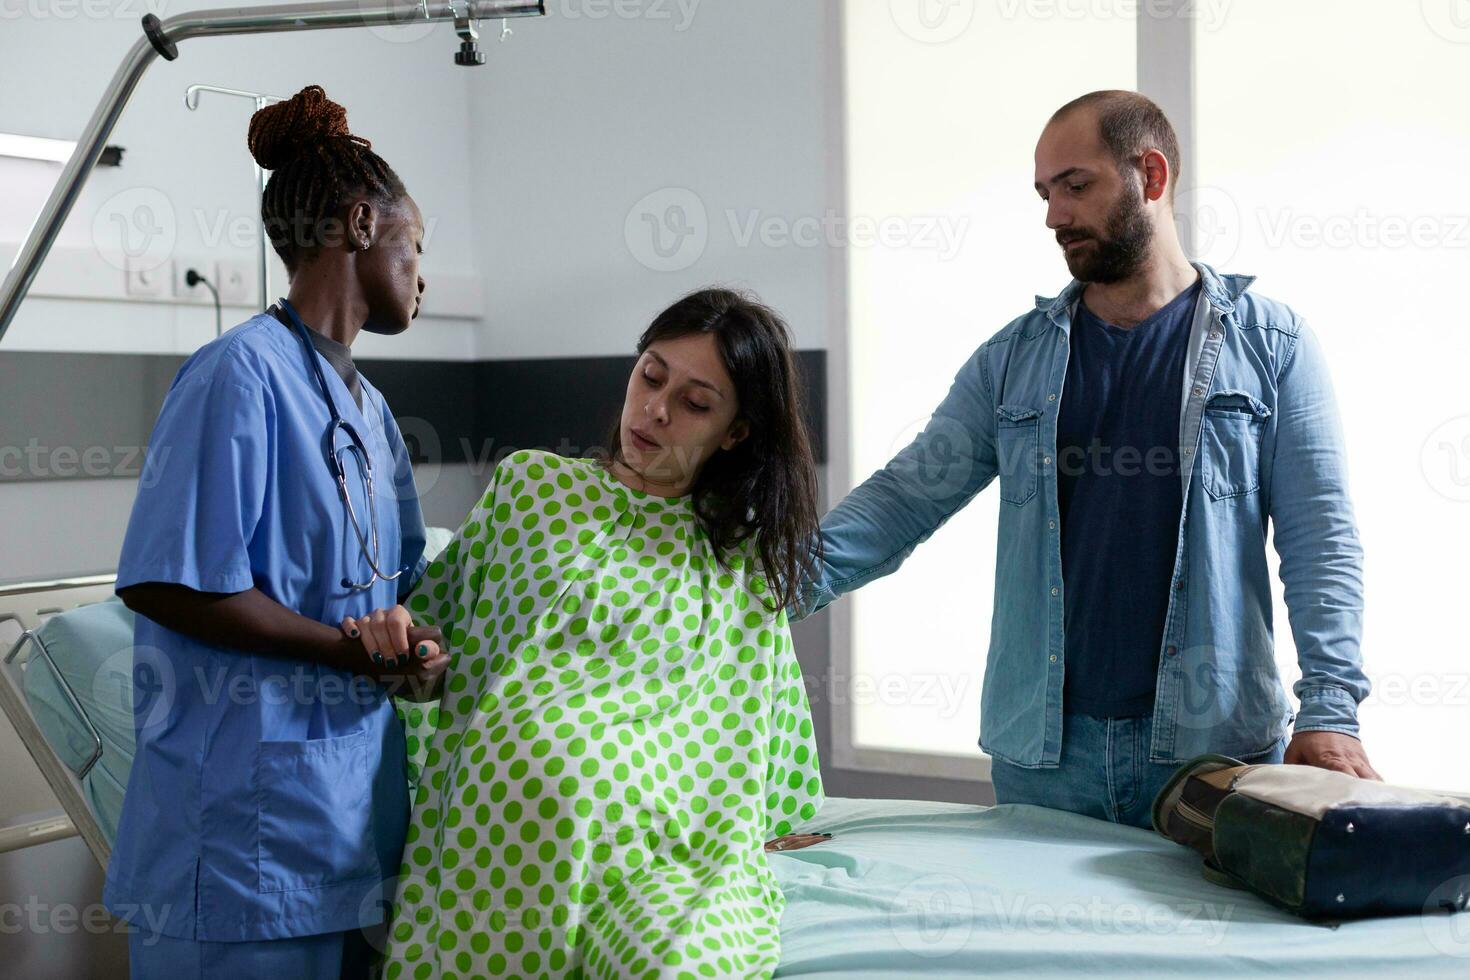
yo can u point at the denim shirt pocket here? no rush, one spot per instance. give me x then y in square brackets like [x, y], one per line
[1230, 443]
[1018, 444]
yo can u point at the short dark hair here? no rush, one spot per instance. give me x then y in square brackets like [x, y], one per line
[1130, 124]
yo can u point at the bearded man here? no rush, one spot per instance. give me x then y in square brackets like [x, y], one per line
[1144, 426]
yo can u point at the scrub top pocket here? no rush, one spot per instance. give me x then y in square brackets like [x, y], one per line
[1230, 444]
[316, 812]
[1017, 446]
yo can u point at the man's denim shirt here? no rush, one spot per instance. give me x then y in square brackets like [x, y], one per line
[1259, 439]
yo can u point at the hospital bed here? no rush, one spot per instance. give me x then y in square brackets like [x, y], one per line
[905, 888]
[49, 703]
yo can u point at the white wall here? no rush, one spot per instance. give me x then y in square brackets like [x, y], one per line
[537, 173]
[714, 106]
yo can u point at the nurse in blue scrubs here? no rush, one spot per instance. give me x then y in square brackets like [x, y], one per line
[265, 814]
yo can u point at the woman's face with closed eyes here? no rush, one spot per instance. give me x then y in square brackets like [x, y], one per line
[681, 408]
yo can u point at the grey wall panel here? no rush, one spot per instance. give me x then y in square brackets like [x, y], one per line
[66, 415]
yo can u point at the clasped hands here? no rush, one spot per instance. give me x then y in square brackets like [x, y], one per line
[409, 660]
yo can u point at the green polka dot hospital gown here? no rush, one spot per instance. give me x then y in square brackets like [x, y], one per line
[623, 726]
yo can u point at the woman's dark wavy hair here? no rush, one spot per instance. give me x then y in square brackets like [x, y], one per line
[316, 164]
[766, 485]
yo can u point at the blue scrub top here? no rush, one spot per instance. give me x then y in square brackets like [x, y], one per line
[268, 797]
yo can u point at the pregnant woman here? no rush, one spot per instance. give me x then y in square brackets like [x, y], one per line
[623, 721]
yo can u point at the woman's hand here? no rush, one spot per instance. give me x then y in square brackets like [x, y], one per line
[408, 659]
[792, 842]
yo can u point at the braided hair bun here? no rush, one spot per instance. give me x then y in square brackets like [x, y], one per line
[316, 166]
[281, 132]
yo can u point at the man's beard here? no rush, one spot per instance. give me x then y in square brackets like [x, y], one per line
[1118, 254]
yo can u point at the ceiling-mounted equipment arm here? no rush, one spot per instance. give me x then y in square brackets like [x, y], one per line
[161, 38]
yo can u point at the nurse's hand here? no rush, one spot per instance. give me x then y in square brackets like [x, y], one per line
[410, 659]
[385, 639]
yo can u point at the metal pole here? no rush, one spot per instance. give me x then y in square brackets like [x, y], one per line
[162, 38]
[265, 237]
[191, 100]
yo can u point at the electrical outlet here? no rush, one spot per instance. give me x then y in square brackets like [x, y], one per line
[235, 280]
[185, 292]
[146, 281]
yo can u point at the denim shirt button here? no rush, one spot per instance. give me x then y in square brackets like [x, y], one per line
[1053, 658]
[1054, 590]
[1172, 650]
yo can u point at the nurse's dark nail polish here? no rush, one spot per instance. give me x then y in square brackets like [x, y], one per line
[354, 634]
[423, 650]
[377, 657]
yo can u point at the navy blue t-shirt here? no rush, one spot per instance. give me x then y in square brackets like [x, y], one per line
[1119, 497]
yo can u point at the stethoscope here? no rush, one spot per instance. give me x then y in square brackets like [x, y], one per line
[356, 448]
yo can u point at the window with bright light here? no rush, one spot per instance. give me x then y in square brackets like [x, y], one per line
[944, 106]
[1333, 139]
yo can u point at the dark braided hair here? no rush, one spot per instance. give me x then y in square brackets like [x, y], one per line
[316, 164]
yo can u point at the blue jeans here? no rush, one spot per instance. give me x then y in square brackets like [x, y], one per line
[1104, 771]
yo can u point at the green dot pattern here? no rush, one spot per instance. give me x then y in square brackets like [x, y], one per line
[623, 725]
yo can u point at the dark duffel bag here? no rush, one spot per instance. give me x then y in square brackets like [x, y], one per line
[1322, 844]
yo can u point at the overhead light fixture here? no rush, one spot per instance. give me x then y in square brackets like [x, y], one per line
[36, 148]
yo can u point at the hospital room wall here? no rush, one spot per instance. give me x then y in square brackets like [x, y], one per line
[533, 172]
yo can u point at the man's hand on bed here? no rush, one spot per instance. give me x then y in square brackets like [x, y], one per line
[792, 842]
[410, 660]
[1330, 750]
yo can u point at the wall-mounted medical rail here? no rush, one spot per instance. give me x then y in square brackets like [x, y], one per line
[161, 38]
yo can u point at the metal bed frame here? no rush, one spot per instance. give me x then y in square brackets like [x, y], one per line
[28, 605]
